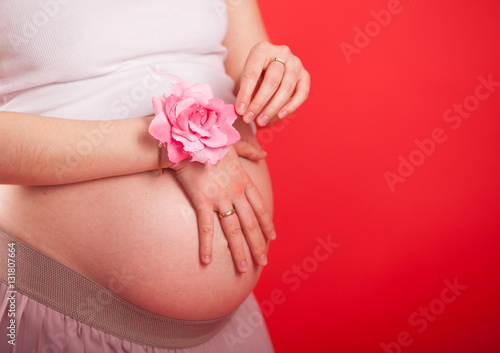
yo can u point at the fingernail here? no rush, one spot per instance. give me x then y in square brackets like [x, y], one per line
[263, 120]
[206, 259]
[241, 108]
[282, 114]
[272, 236]
[243, 266]
[263, 259]
[248, 117]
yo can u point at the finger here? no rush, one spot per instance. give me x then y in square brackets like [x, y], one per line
[252, 232]
[234, 236]
[282, 95]
[301, 94]
[206, 233]
[261, 211]
[247, 150]
[250, 76]
[268, 87]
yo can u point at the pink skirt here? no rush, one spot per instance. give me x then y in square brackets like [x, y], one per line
[47, 307]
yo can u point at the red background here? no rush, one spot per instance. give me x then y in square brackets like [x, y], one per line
[328, 163]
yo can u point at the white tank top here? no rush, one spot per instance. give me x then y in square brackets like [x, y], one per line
[95, 59]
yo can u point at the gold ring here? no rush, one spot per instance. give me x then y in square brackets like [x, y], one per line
[227, 214]
[280, 60]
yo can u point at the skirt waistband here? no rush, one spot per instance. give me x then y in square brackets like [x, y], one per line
[69, 292]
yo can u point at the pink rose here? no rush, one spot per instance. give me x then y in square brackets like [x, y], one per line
[193, 123]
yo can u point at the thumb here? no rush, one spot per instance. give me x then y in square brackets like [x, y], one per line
[247, 150]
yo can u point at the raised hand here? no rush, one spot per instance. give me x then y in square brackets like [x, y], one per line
[273, 83]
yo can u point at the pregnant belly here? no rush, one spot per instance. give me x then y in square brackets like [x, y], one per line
[137, 236]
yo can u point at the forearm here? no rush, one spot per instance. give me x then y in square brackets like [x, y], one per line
[39, 150]
[245, 29]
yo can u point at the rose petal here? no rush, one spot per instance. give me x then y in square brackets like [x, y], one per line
[198, 116]
[210, 121]
[229, 112]
[170, 104]
[200, 98]
[201, 91]
[200, 156]
[160, 128]
[186, 134]
[185, 104]
[221, 153]
[232, 134]
[183, 118]
[211, 156]
[176, 152]
[216, 104]
[203, 113]
[179, 88]
[225, 112]
[198, 129]
[159, 104]
[189, 146]
[216, 139]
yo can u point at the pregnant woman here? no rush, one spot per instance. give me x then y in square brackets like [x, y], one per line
[99, 251]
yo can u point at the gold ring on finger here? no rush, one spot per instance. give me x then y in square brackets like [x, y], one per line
[227, 214]
[280, 60]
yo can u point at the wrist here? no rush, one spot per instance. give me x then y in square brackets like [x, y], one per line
[181, 165]
[157, 157]
[163, 161]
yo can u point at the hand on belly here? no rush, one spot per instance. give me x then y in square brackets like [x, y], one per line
[137, 236]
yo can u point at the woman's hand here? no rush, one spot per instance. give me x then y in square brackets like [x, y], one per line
[249, 151]
[227, 186]
[269, 87]
[247, 146]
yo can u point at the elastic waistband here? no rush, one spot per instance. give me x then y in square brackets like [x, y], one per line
[61, 288]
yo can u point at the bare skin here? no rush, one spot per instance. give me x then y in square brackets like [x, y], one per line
[106, 212]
